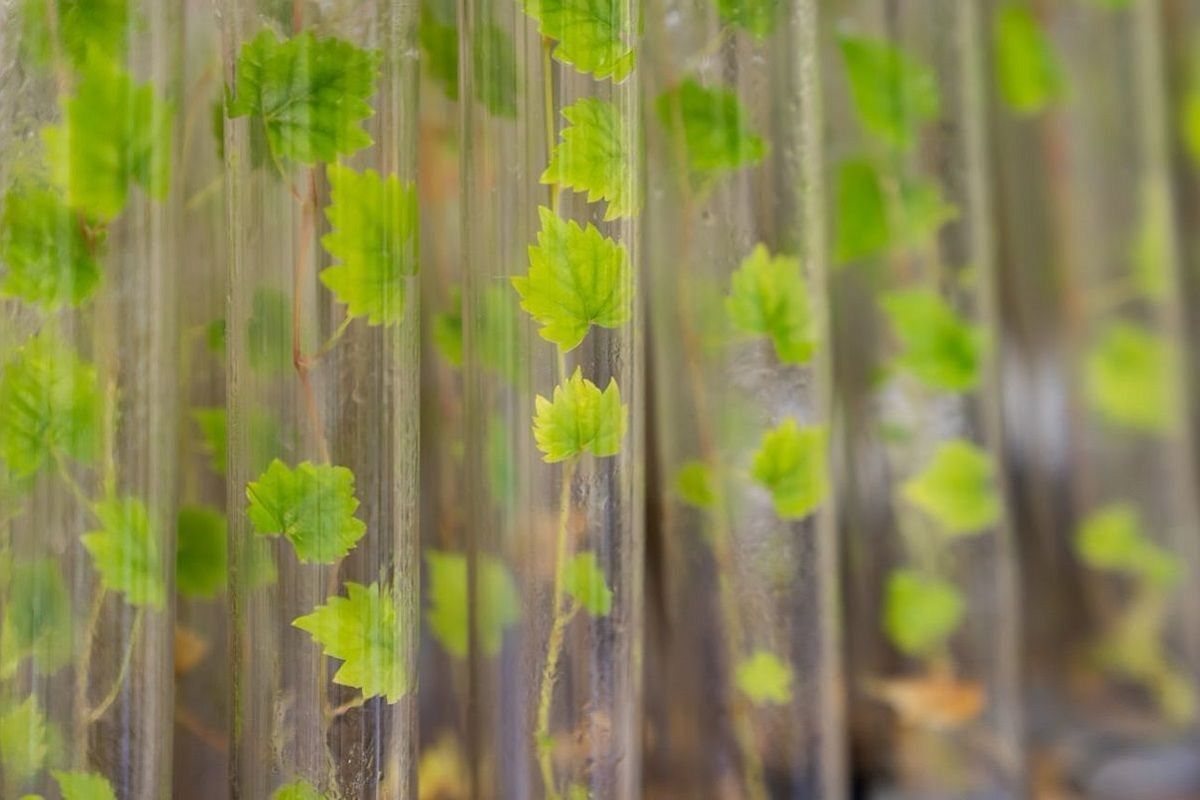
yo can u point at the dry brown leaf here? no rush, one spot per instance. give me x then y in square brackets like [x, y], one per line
[933, 702]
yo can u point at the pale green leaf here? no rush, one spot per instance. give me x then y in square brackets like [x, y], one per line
[919, 214]
[437, 32]
[594, 36]
[861, 213]
[595, 155]
[37, 618]
[28, 741]
[791, 464]
[583, 579]
[498, 602]
[768, 297]
[713, 129]
[957, 489]
[920, 612]
[765, 678]
[298, 789]
[893, 93]
[363, 630]
[577, 278]
[309, 93]
[77, 28]
[1027, 67]
[202, 555]
[212, 424]
[1112, 538]
[48, 252]
[494, 69]
[1128, 378]
[312, 506]
[269, 331]
[127, 551]
[580, 419]
[374, 239]
[757, 17]
[84, 786]
[940, 348]
[696, 484]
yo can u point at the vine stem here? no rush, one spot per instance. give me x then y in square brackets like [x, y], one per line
[330, 343]
[308, 208]
[82, 671]
[349, 705]
[134, 633]
[554, 644]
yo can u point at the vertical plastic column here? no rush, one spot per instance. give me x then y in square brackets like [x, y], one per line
[322, 339]
[1091, 220]
[743, 694]
[87, 397]
[551, 201]
[931, 613]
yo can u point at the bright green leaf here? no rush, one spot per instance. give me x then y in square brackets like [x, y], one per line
[577, 278]
[791, 464]
[127, 551]
[37, 618]
[1026, 66]
[312, 506]
[48, 253]
[1112, 538]
[713, 128]
[84, 786]
[940, 348]
[765, 678]
[1128, 378]
[580, 419]
[497, 600]
[298, 789]
[374, 238]
[309, 93]
[202, 556]
[893, 93]
[212, 424]
[79, 28]
[757, 17]
[28, 741]
[957, 489]
[696, 484]
[594, 36]
[596, 156]
[768, 297]
[363, 630]
[583, 579]
[920, 612]
[863, 229]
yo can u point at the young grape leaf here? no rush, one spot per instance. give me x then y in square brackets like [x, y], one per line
[765, 678]
[498, 602]
[893, 93]
[202, 556]
[1027, 68]
[583, 578]
[363, 631]
[712, 128]
[695, 483]
[49, 252]
[309, 93]
[1112, 538]
[126, 551]
[580, 419]
[920, 612]
[1128, 378]
[77, 28]
[863, 229]
[756, 17]
[49, 405]
[374, 236]
[37, 618]
[28, 741]
[113, 131]
[83, 786]
[312, 506]
[213, 427]
[577, 278]
[595, 156]
[594, 36]
[941, 349]
[791, 464]
[298, 789]
[957, 489]
[769, 298]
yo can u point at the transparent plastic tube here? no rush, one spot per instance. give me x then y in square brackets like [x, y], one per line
[322, 339]
[87, 397]
[931, 612]
[1089, 219]
[743, 689]
[551, 198]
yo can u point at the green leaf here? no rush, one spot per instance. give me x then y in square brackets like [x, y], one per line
[298, 789]
[863, 229]
[1128, 378]
[49, 253]
[941, 349]
[920, 612]
[577, 278]
[438, 35]
[756, 17]
[498, 601]
[214, 336]
[80, 28]
[1112, 538]
[696, 484]
[49, 405]
[269, 331]
[580, 419]
[494, 70]
[212, 424]
[768, 297]
[583, 579]
[309, 93]
[448, 329]
[791, 464]
[126, 551]
[28, 741]
[594, 36]
[37, 618]
[893, 93]
[374, 237]
[1027, 68]
[715, 131]
[363, 630]
[312, 506]
[957, 489]
[83, 786]
[765, 678]
[595, 156]
[113, 131]
[919, 213]
[202, 556]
